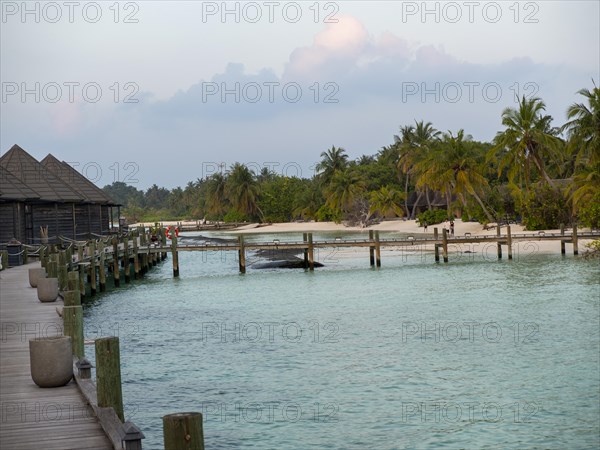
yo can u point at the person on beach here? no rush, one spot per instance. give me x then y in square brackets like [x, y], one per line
[425, 226]
[452, 227]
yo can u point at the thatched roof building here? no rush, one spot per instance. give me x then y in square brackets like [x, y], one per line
[51, 195]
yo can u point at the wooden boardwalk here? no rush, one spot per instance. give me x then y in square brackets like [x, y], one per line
[32, 417]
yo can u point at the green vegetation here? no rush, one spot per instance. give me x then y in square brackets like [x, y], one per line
[532, 171]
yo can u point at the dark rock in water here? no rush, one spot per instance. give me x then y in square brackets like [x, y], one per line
[283, 264]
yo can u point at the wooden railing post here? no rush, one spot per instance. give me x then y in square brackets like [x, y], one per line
[305, 251]
[108, 375]
[562, 241]
[175, 255]
[73, 326]
[126, 263]
[183, 431]
[499, 245]
[509, 242]
[377, 250]
[101, 266]
[574, 239]
[92, 250]
[311, 253]
[242, 254]
[436, 245]
[371, 250]
[116, 268]
[445, 244]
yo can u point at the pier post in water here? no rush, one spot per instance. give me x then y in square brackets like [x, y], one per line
[371, 250]
[126, 263]
[136, 259]
[175, 255]
[377, 250]
[436, 246]
[183, 431]
[82, 279]
[116, 268]
[92, 248]
[562, 241]
[445, 244]
[242, 254]
[62, 270]
[574, 240]
[499, 245]
[305, 251]
[509, 242]
[102, 267]
[311, 253]
[108, 375]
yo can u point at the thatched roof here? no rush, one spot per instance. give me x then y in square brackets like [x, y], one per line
[36, 177]
[11, 188]
[80, 184]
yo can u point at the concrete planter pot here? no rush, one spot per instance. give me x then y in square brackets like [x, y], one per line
[35, 275]
[51, 360]
[47, 289]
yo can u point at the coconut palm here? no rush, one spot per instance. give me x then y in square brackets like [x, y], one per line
[414, 143]
[453, 168]
[242, 190]
[332, 161]
[343, 190]
[527, 140]
[583, 127]
[216, 200]
[386, 202]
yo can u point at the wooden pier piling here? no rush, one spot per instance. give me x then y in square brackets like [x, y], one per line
[562, 242]
[93, 283]
[175, 255]
[126, 261]
[183, 431]
[311, 253]
[62, 271]
[377, 250]
[445, 244]
[509, 242]
[82, 278]
[371, 249]
[241, 254]
[498, 245]
[137, 267]
[108, 375]
[101, 266]
[305, 250]
[437, 247]
[575, 242]
[116, 268]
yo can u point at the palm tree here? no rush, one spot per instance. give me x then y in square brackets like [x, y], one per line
[332, 161]
[414, 143]
[527, 139]
[344, 188]
[386, 202]
[242, 190]
[583, 131]
[216, 200]
[453, 168]
[583, 127]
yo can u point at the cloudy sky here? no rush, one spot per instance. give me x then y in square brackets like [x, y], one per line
[167, 92]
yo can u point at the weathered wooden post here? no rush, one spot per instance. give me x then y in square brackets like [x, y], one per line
[305, 250]
[377, 250]
[101, 266]
[116, 269]
[574, 239]
[509, 242]
[52, 268]
[371, 250]
[108, 375]
[436, 245]
[183, 431]
[175, 255]
[136, 259]
[4, 259]
[445, 244]
[82, 279]
[499, 245]
[72, 298]
[242, 254]
[79, 253]
[92, 248]
[126, 263]
[25, 255]
[62, 271]
[562, 241]
[73, 281]
[163, 242]
[311, 253]
[132, 437]
[43, 258]
[73, 326]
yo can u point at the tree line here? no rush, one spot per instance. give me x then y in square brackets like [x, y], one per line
[532, 171]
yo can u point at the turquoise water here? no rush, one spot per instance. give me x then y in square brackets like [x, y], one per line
[477, 353]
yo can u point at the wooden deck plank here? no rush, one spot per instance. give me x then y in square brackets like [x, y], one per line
[32, 417]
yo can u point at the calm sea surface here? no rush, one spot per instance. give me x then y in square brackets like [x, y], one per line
[477, 353]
